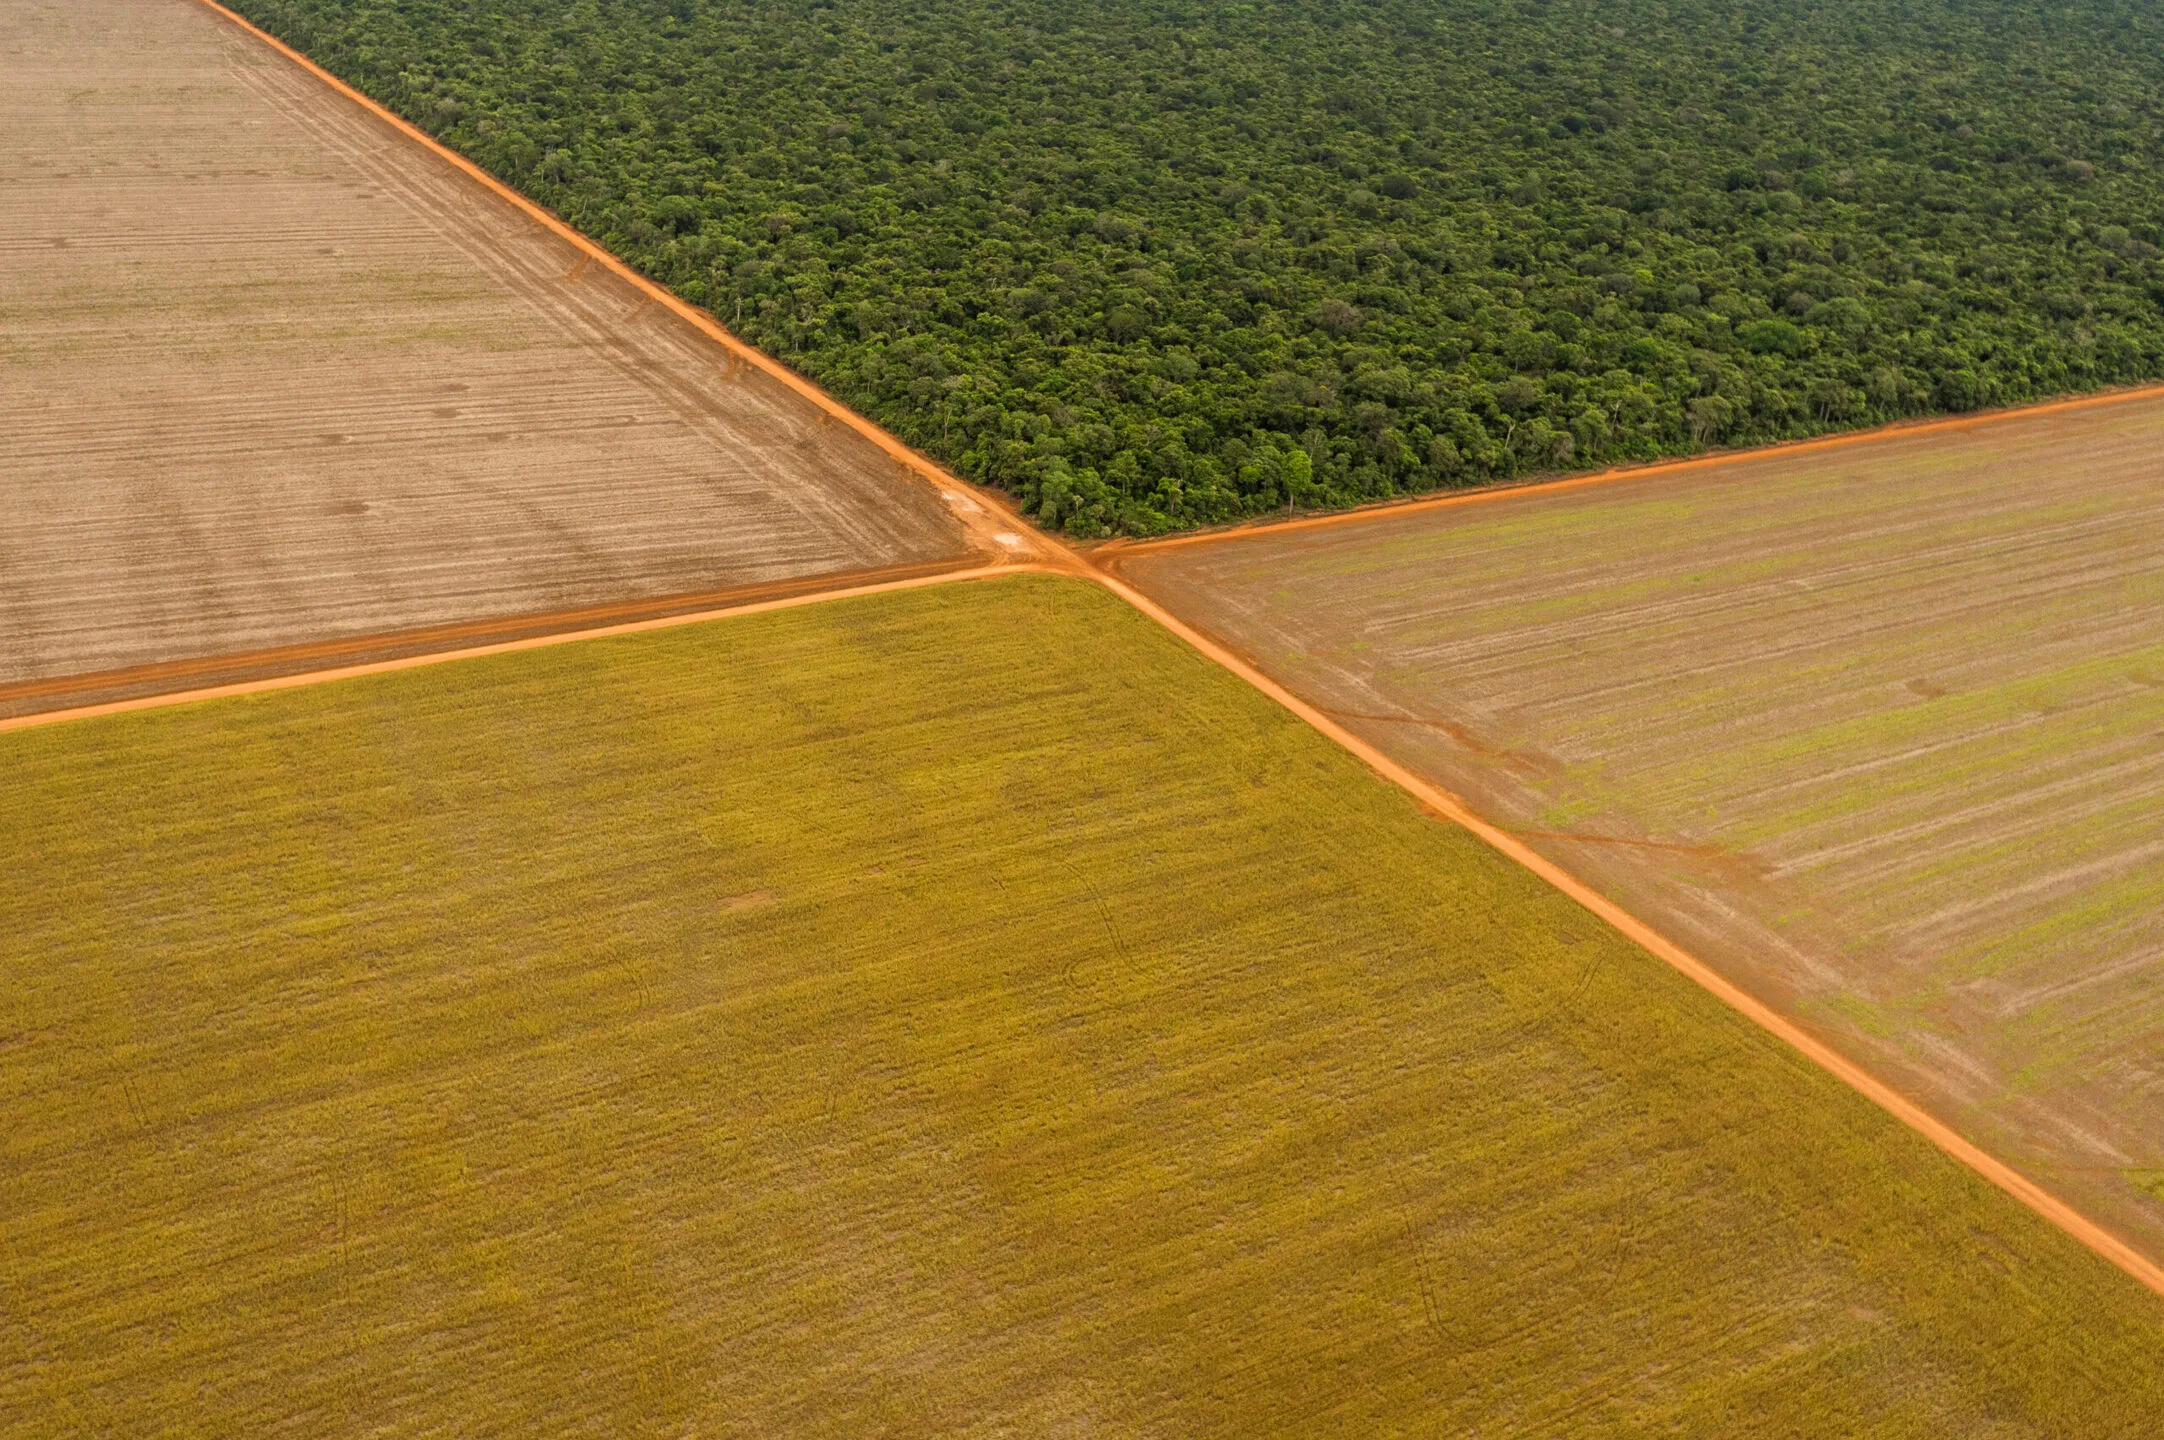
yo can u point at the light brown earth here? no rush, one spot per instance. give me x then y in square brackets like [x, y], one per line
[1877, 730]
[271, 373]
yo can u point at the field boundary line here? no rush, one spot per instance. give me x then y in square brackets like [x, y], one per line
[506, 647]
[1063, 560]
[1450, 807]
[1113, 552]
[308, 656]
[993, 527]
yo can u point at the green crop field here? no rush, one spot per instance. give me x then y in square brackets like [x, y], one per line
[887, 1017]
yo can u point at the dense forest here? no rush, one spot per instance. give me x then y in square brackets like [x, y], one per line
[1155, 263]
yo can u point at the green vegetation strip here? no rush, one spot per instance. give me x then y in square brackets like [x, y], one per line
[888, 1016]
[1153, 263]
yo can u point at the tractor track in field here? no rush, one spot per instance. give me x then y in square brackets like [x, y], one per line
[1016, 548]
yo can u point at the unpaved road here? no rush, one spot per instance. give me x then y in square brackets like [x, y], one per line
[1873, 729]
[270, 373]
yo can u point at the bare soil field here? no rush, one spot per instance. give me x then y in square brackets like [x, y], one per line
[1878, 730]
[272, 374]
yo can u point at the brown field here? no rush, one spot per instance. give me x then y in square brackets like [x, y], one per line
[1874, 729]
[272, 373]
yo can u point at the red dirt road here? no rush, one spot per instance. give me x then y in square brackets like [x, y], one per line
[196, 674]
[1113, 552]
[163, 699]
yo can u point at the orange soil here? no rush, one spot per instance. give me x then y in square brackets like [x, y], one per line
[1111, 551]
[504, 647]
[999, 525]
[457, 637]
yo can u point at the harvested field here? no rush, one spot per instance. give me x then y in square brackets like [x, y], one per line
[802, 1033]
[1872, 728]
[272, 374]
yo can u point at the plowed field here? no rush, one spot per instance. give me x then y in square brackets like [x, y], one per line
[1876, 729]
[271, 373]
[805, 1033]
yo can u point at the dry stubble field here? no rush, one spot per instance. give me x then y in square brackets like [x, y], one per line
[962, 1011]
[270, 373]
[1873, 728]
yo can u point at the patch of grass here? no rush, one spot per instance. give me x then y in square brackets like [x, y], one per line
[887, 1017]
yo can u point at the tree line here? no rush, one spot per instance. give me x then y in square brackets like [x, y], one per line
[1159, 263]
